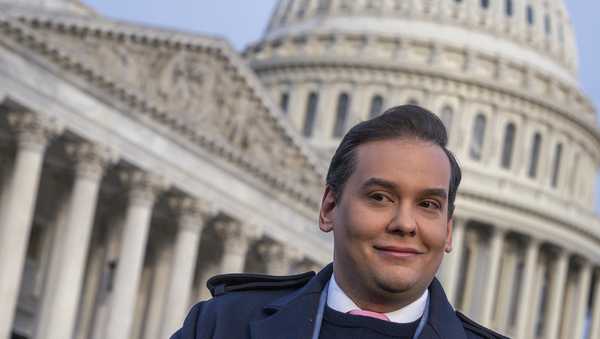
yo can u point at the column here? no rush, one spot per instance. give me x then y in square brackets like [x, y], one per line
[583, 290]
[236, 240]
[489, 297]
[595, 325]
[555, 304]
[524, 303]
[193, 215]
[536, 299]
[453, 259]
[59, 309]
[278, 257]
[470, 287]
[33, 135]
[143, 189]
[506, 288]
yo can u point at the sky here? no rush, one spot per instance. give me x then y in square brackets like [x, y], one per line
[243, 21]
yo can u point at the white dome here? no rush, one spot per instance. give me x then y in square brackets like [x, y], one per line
[534, 31]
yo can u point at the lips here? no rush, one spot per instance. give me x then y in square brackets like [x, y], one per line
[398, 251]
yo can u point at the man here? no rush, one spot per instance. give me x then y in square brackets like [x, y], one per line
[389, 202]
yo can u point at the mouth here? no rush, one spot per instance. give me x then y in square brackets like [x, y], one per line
[398, 251]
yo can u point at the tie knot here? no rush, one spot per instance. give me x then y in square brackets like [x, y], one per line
[370, 314]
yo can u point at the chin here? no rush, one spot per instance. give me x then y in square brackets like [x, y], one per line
[397, 283]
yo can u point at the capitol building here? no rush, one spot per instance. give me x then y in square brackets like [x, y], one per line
[136, 162]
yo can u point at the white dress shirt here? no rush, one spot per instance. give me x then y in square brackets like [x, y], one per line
[339, 301]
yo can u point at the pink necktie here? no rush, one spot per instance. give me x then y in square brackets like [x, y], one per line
[370, 314]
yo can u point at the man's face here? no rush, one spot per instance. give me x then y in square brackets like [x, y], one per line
[390, 224]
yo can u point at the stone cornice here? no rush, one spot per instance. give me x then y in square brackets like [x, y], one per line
[429, 79]
[587, 228]
[323, 47]
[20, 32]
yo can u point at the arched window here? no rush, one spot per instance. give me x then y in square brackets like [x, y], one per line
[530, 16]
[284, 101]
[376, 106]
[556, 165]
[311, 114]
[343, 105]
[412, 101]
[485, 4]
[509, 8]
[478, 137]
[508, 146]
[447, 115]
[535, 155]
[547, 24]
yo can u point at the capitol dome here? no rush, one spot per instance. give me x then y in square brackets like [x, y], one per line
[502, 75]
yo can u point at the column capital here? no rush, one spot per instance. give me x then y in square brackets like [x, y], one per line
[233, 231]
[143, 187]
[273, 250]
[90, 159]
[192, 213]
[33, 130]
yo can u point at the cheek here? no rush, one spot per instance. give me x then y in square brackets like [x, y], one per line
[434, 235]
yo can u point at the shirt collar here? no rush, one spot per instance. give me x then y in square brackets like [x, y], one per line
[339, 301]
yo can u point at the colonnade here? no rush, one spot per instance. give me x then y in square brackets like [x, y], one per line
[94, 288]
[527, 288]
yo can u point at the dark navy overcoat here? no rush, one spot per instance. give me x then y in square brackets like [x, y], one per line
[246, 306]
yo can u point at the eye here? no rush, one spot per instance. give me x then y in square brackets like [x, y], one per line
[379, 197]
[430, 204]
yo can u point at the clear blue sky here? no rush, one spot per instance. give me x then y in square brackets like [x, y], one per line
[243, 21]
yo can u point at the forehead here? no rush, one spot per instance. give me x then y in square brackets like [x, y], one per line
[404, 160]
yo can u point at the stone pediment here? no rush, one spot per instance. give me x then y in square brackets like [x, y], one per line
[197, 85]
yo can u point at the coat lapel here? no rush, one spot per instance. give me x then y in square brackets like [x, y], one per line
[443, 322]
[293, 316]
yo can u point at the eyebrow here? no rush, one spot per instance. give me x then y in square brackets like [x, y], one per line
[438, 192]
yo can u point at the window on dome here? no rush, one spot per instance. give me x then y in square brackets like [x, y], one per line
[446, 117]
[412, 101]
[508, 145]
[535, 155]
[547, 24]
[530, 16]
[284, 101]
[376, 106]
[556, 165]
[561, 34]
[302, 8]
[485, 4]
[286, 12]
[343, 106]
[311, 113]
[509, 8]
[573, 175]
[476, 147]
[323, 6]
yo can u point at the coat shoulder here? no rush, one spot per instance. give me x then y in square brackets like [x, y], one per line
[239, 282]
[477, 329]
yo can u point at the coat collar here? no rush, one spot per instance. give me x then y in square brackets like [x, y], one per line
[293, 316]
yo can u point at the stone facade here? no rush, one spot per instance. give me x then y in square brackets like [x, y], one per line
[138, 162]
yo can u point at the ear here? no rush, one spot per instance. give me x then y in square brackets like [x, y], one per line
[328, 205]
[449, 228]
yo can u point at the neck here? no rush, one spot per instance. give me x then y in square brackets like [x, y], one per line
[376, 299]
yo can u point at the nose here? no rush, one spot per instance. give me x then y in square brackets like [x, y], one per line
[403, 223]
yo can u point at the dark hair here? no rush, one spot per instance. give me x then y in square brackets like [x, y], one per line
[397, 122]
